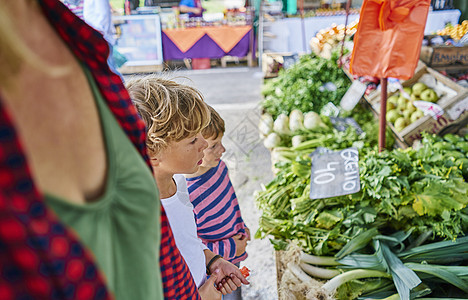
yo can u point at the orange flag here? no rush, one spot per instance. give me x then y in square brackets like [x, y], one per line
[388, 38]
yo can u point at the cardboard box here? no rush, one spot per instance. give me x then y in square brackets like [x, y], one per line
[442, 56]
[455, 109]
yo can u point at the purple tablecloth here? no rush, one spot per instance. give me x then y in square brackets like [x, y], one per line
[204, 48]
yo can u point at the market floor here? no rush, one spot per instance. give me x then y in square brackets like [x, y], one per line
[235, 94]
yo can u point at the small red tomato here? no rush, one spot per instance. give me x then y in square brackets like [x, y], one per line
[245, 271]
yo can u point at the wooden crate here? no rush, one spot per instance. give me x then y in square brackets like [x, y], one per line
[443, 56]
[455, 117]
[455, 109]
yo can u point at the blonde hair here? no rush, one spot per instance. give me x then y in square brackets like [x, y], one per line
[14, 52]
[171, 111]
[216, 127]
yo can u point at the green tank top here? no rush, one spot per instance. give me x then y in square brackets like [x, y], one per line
[121, 228]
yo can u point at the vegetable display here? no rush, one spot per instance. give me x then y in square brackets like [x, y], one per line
[408, 198]
[307, 86]
[292, 130]
[403, 235]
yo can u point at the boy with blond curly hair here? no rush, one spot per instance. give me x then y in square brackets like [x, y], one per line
[175, 115]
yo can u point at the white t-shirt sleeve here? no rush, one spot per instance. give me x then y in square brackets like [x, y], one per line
[179, 211]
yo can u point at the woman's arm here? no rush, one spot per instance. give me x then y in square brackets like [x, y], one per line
[188, 9]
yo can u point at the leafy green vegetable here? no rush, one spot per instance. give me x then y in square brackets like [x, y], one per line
[302, 86]
[408, 190]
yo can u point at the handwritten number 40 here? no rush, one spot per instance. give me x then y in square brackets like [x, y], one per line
[325, 176]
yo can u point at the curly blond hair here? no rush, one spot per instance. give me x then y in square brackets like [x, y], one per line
[170, 110]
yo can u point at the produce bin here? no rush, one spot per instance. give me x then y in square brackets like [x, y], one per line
[455, 109]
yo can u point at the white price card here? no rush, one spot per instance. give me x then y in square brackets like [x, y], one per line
[429, 108]
[458, 109]
[330, 110]
[341, 124]
[353, 95]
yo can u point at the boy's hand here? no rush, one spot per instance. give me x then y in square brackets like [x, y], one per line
[227, 286]
[208, 290]
[241, 242]
[229, 278]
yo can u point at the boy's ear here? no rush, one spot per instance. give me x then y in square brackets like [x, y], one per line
[154, 161]
[154, 158]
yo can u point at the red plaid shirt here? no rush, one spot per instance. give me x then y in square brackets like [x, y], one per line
[39, 257]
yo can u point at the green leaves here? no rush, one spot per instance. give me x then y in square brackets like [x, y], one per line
[418, 188]
[328, 219]
[450, 274]
[404, 278]
[435, 203]
[358, 242]
[300, 86]
[397, 193]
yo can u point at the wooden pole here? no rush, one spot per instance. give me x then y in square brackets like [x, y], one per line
[383, 114]
[348, 5]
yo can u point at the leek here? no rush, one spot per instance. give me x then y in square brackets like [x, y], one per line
[331, 285]
[318, 260]
[358, 242]
[317, 272]
[443, 272]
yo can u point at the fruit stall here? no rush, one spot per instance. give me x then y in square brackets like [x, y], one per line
[427, 103]
[349, 221]
[286, 34]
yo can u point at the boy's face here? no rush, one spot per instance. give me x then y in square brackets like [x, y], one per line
[182, 157]
[213, 152]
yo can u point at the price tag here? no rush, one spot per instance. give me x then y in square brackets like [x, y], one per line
[289, 60]
[330, 109]
[334, 173]
[429, 108]
[458, 109]
[353, 95]
[341, 124]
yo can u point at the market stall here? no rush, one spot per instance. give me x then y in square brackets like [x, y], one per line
[285, 35]
[207, 42]
[335, 245]
[152, 35]
[211, 36]
[138, 39]
[349, 216]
